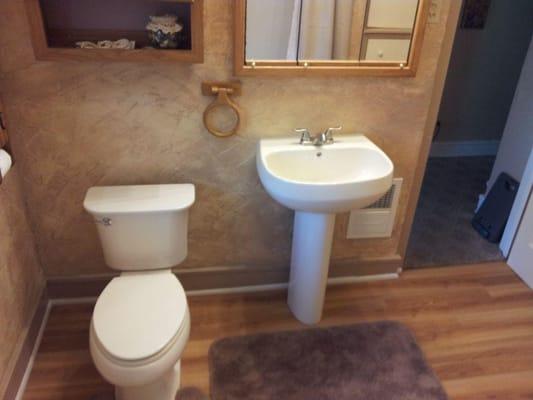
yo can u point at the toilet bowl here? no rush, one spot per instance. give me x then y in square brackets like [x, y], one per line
[141, 322]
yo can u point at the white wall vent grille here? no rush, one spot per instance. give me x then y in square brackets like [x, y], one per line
[376, 220]
[386, 200]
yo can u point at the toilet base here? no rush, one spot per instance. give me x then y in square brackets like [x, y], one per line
[164, 388]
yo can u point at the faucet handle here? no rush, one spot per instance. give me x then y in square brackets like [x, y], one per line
[328, 133]
[305, 135]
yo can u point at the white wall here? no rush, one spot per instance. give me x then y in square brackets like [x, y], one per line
[484, 69]
[268, 25]
[517, 140]
[521, 203]
[522, 251]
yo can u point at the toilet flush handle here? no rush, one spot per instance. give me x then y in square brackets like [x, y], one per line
[104, 221]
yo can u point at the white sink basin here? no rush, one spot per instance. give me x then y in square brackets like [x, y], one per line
[318, 182]
[348, 174]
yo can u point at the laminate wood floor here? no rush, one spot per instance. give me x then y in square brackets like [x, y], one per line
[474, 323]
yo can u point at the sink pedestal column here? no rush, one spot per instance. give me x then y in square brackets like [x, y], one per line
[311, 249]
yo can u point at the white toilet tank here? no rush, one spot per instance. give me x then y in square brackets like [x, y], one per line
[141, 227]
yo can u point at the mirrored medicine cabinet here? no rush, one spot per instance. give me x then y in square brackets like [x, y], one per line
[328, 37]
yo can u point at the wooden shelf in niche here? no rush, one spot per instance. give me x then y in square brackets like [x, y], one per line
[56, 25]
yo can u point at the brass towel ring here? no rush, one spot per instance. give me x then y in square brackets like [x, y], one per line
[223, 91]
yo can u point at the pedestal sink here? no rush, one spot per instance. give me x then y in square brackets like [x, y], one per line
[318, 182]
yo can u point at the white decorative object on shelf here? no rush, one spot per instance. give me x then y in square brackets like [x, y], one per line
[163, 31]
[123, 44]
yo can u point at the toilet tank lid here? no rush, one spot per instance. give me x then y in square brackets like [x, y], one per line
[139, 198]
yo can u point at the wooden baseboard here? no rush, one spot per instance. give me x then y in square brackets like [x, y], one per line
[27, 349]
[214, 278]
[77, 287]
[366, 267]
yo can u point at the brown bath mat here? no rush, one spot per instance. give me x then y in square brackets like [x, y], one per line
[375, 361]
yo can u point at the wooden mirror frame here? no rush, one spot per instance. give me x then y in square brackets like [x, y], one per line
[324, 67]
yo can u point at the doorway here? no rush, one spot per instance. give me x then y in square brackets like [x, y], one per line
[475, 129]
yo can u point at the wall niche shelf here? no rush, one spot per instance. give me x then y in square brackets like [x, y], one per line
[56, 26]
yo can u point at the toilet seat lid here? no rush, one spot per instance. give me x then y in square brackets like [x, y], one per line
[139, 314]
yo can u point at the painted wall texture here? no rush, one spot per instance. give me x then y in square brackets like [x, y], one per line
[517, 140]
[76, 125]
[484, 70]
[21, 277]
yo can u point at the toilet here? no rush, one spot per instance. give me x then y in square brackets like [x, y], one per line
[141, 323]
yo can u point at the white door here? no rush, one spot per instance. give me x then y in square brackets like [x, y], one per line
[521, 257]
[517, 239]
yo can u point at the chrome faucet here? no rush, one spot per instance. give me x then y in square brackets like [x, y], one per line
[305, 135]
[321, 139]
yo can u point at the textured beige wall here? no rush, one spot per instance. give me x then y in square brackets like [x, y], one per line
[81, 124]
[21, 278]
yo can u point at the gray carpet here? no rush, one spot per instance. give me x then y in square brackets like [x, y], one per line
[442, 234]
[375, 361]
